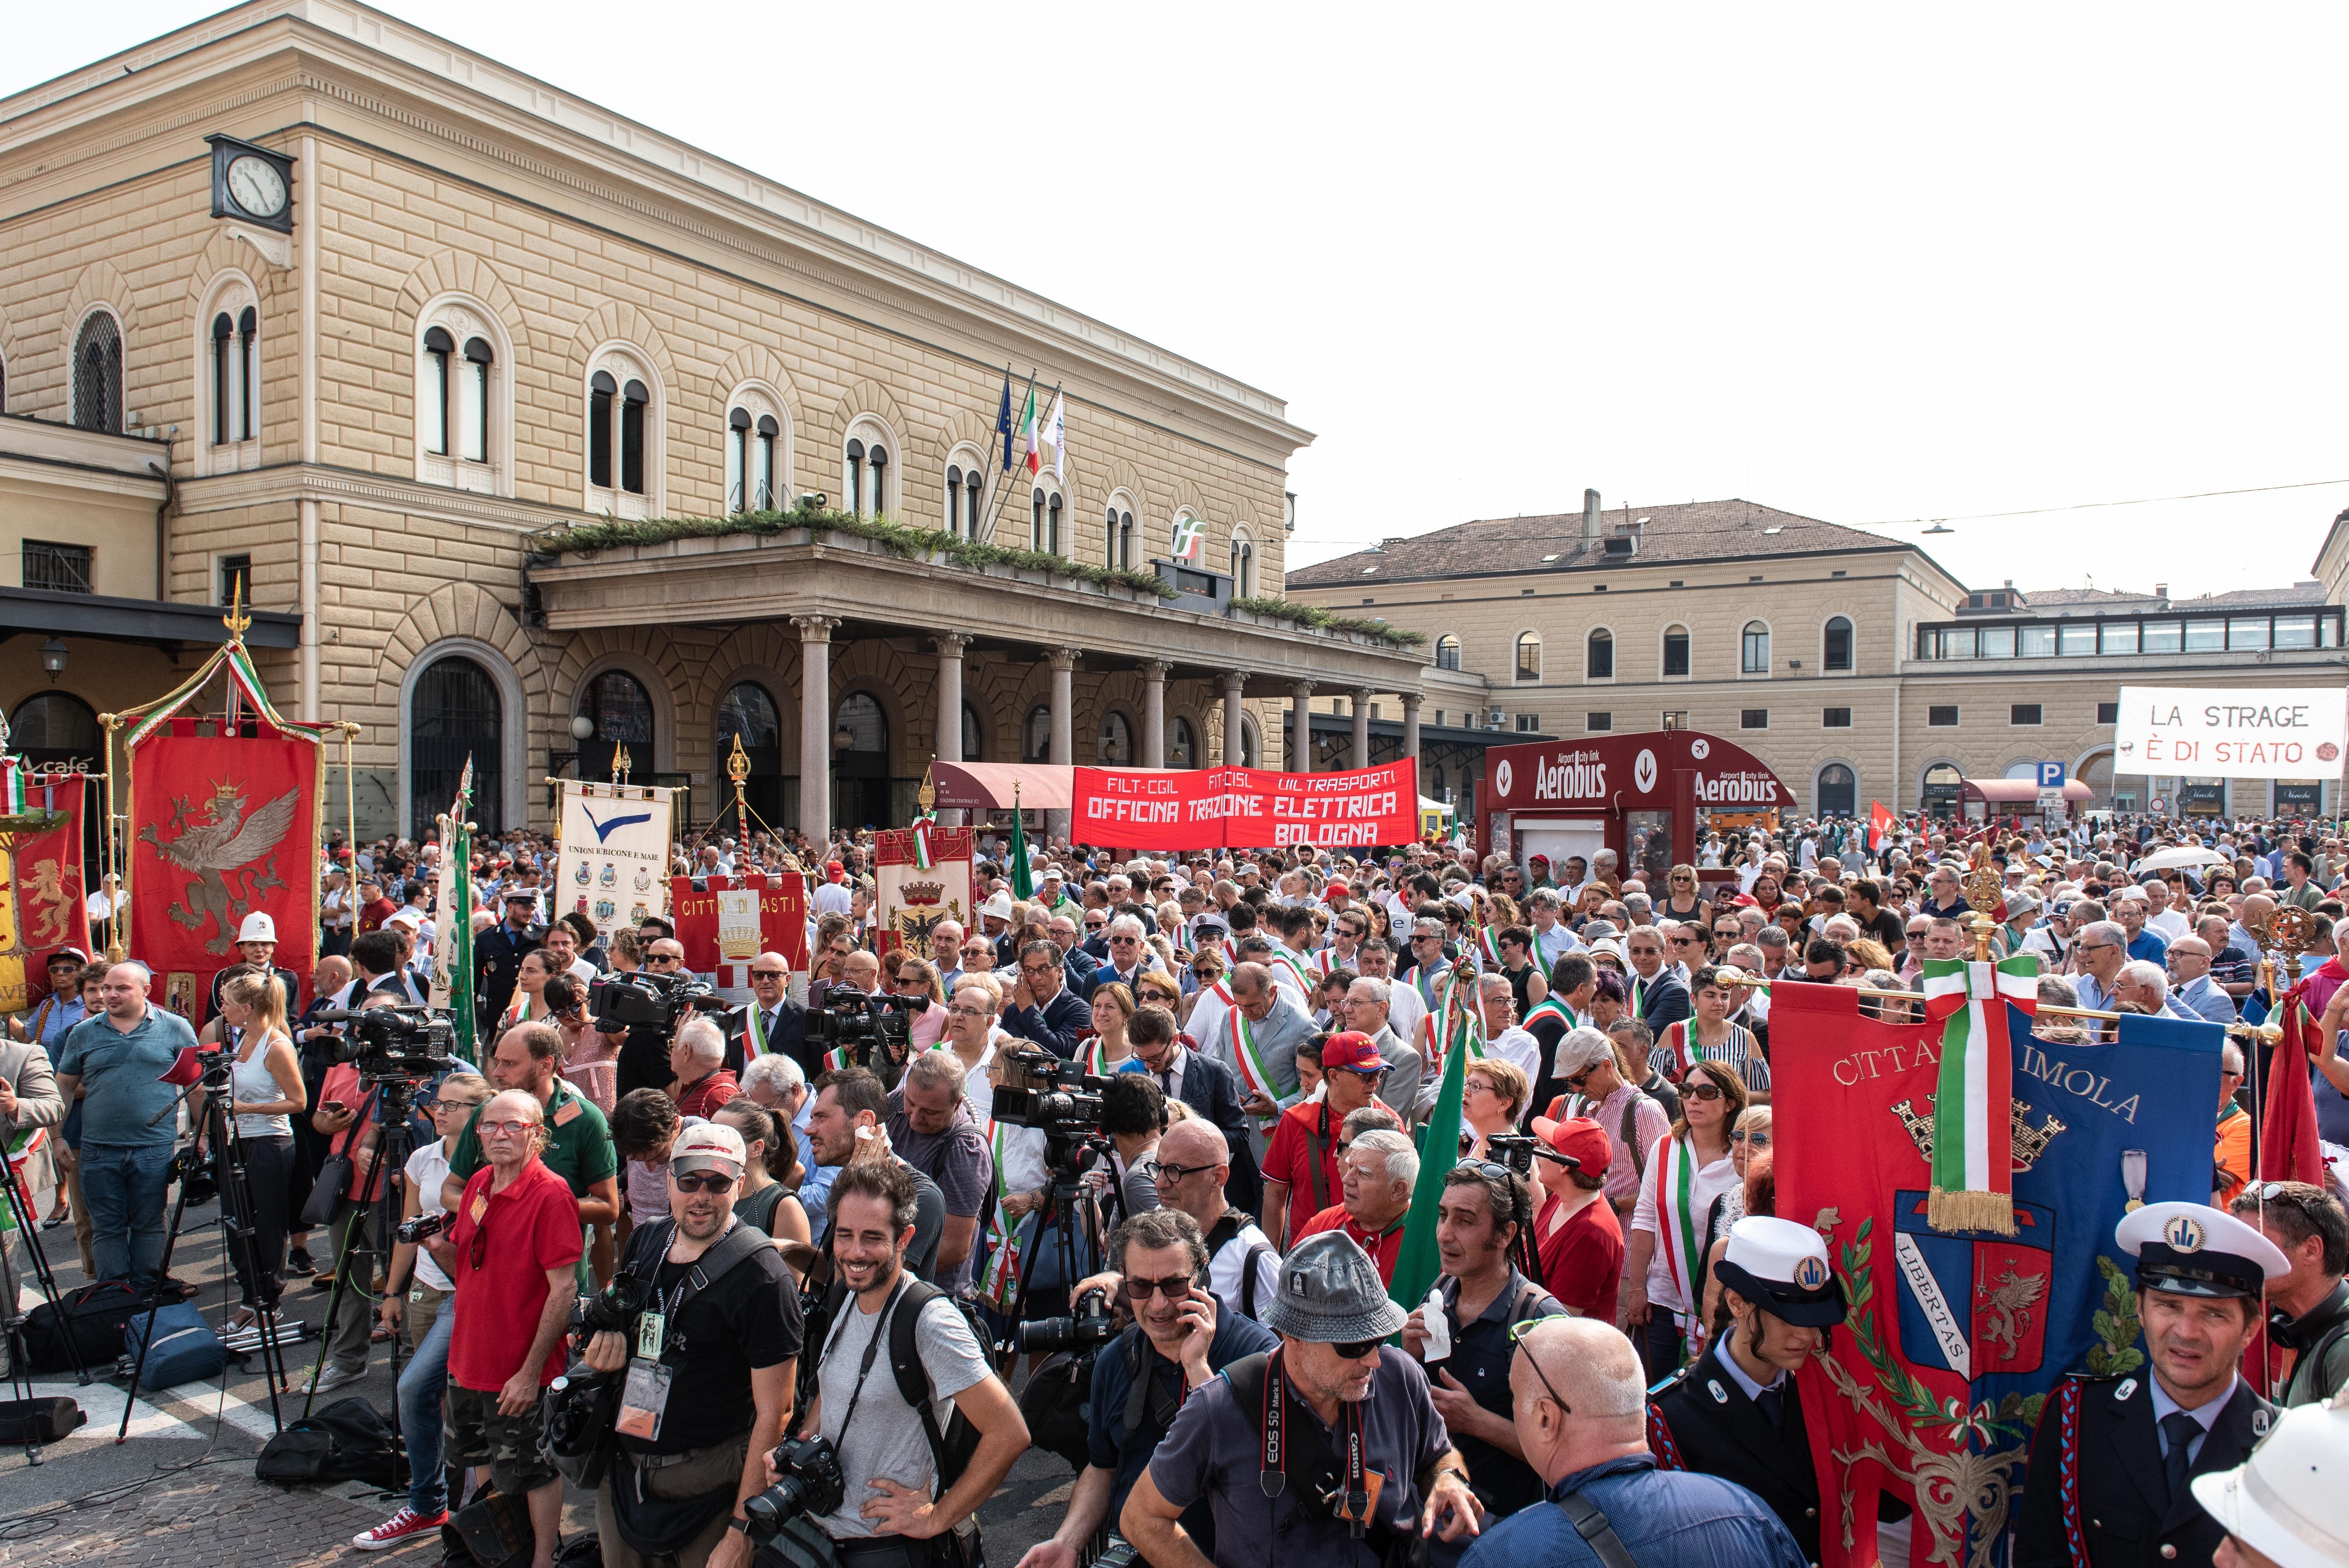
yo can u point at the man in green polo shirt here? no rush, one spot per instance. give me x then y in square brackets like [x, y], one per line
[578, 1147]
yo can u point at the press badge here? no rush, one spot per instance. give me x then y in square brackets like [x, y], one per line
[644, 1399]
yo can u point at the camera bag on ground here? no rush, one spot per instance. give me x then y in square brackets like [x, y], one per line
[39, 1420]
[94, 1314]
[184, 1349]
[493, 1531]
[346, 1441]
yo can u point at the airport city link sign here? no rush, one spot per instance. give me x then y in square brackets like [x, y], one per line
[2252, 732]
[1631, 772]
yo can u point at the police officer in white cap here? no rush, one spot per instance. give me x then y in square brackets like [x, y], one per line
[2287, 1506]
[256, 942]
[1735, 1411]
[2111, 1464]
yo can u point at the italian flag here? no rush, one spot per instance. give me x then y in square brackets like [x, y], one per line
[1027, 424]
[1973, 1163]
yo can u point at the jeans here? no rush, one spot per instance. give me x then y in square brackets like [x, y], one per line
[124, 1186]
[421, 1384]
[1659, 1346]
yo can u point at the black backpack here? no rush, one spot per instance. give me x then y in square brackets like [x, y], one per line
[346, 1441]
[1233, 1221]
[95, 1315]
[951, 1449]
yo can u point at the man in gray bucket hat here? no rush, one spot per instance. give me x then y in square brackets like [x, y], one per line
[1326, 1450]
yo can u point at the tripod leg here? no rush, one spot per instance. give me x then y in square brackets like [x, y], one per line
[333, 1305]
[19, 1379]
[44, 1278]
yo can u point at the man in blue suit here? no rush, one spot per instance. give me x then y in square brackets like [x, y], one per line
[1039, 1007]
[1659, 999]
[1076, 965]
[1207, 1086]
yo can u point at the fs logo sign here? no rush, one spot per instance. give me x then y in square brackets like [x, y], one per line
[1643, 770]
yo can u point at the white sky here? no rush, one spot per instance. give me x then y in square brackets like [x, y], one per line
[1867, 264]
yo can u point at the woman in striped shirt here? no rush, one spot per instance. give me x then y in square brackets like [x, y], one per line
[1709, 1036]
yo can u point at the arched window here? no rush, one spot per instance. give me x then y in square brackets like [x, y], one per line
[1117, 531]
[971, 750]
[1182, 745]
[1036, 735]
[1838, 791]
[1251, 744]
[620, 458]
[601, 389]
[747, 710]
[615, 703]
[1044, 521]
[1834, 653]
[1753, 659]
[473, 401]
[54, 726]
[236, 373]
[97, 374]
[1114, 748]
[1943, 789]
[432, 401]
[967, 489]
[864, 470]
[1598, 656]
[460, 395]
[751, 442]
[1529, 655]
[1676, 651]
[1447, 652]
[1243, 565]
[455, 716]
[860, 725]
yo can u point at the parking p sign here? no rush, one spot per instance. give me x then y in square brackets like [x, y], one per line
[2051, 776]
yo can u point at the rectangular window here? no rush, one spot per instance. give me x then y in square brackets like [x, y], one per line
[1753, 718]
[1998, 642]
[2120, 636]
[236, 579]
[1958, 643]
[1942, 716]
[2160, 636]
[59, 568]
[1598, 723]
[2035, 642]
[2295, 631]
[2205, 636]
[1439, 719]
[1528, 723]
[1675, 718]
[1835, 718]
[2075, 637]
[2108, 713]
[2023, 713]
[1676, 652]
[2247, 633]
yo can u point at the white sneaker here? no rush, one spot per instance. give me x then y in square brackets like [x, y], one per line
[332, 1378]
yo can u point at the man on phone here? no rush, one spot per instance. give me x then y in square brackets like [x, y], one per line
[1178, 1341]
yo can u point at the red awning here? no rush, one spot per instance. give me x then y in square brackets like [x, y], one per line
[2020, 791]
[989, 785]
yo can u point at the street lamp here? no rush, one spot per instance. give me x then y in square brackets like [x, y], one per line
[582, 726]
[53, 658]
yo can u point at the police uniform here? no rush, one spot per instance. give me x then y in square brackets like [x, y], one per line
[2106, 1488]
[497, 962]
[1702, 1419]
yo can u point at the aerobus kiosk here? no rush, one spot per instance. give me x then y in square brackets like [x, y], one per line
[1651, 798]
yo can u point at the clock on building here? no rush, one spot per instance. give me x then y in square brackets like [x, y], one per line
[252, 184]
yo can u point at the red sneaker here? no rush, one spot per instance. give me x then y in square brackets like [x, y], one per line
[404, 1525]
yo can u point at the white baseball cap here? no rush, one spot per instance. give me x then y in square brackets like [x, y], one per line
[257, 927]
[707, 1146]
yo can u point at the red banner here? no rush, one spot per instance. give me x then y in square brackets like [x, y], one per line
[722, 932]
[926, 875]
[41, 874]
[220, 827]
[1245, 807]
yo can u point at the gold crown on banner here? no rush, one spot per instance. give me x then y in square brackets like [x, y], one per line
[2028, 1142]
[923, 892]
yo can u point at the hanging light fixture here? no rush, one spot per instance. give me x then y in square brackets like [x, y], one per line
[53, 658]
[582, 726]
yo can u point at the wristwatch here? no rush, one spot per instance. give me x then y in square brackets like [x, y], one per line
[742, 1524]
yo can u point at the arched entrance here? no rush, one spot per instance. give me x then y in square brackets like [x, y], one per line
[616, 703]
[746, 710]
[454, 713]
[1837, 793]
[859, 763]
[1942, 792]
[56, 728]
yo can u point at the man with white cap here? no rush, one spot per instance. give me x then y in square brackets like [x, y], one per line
[1328, 1450]
[2113, 1456]
[256, 942]
[1735, 1411]
[2287, 1506]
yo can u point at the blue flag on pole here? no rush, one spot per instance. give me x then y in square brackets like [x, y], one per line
[1003, 422]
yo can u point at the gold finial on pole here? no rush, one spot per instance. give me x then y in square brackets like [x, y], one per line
[738, 768]
[1984, 890]
[238, 620]
[2289, 930]
[927, 795]
[620, 763]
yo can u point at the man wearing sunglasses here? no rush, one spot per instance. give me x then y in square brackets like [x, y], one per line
[2308, 1307]
[1301, 1172]
[1346, 1403]
[1180, 1338]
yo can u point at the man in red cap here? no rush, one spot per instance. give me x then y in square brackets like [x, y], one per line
[1576, 1234]
[1301, 1172]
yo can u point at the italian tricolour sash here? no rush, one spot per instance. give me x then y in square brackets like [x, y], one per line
[1555, 1008]
[757, 1032]
[1287, 961]
[1973, 1166]
[1454, 1025]
[1682, 1237]
[1255, 1077]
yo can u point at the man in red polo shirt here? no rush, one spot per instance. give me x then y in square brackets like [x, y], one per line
[1577, 1235]
[516, 1238]
[1302, 1177]
[1379, 1171]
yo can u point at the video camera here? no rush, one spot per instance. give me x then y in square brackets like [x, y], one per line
[393, 1042]
[1514, 1149]
[863, 1019]
[1057, 1097]
[645, 1001]
[423, 1227]
[1088, 1327]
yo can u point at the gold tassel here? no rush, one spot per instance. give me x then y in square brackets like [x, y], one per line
[1963, 1210]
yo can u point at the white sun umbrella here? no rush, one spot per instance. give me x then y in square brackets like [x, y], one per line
[2185, 855]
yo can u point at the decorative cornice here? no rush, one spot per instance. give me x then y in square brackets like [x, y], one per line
[289, 483]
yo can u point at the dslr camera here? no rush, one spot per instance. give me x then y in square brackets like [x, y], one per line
[808, 1485]
[394, 1042]
[860, 1020]
[614, 1309]
[645, 1001]
[1087, 1327]
[1057, 1097]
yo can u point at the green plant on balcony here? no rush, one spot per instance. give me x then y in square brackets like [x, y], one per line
[1315, 618]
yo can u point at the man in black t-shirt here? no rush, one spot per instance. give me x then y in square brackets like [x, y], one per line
[710, 1369]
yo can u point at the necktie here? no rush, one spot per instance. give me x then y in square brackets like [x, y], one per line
[2180, 1429]
[1772, 1402]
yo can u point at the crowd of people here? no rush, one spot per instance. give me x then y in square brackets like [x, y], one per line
[1603, 1366]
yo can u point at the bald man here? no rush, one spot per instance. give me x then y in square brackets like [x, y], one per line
[770, 1022]
[1580, 1404]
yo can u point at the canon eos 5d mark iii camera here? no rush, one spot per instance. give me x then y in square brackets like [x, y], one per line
[393, 1042]
[809, 1484]
[639, 1000]
[1086, 1328]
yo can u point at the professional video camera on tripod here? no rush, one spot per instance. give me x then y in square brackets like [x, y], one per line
[866, 1029]
[646, 1009]
[1063, 1101]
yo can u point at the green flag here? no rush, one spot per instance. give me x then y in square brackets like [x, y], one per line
[1416, 1265]
[1022, 885]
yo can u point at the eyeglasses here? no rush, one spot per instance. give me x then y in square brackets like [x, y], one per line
[2098, 946]
[703, 1182]
[1170, 1173]
[1355, 1350]
[1576, 1080]
[1517, 1332]
[967, 1013]
[1038, 969]
[1486, 1167]
[770, 973]
[504, 1129]
[663, 958]
[1174, 1287]
[1702, 1091]
[1095, 925]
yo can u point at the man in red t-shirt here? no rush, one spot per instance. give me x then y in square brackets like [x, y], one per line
[516, 1238]
[374, 909]
[1307, 1137]
[1380, 1169]
[1578, 1238]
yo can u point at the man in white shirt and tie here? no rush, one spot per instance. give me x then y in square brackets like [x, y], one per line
[772, 1023]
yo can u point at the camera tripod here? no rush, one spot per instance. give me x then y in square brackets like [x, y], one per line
[27, 1218]
[218, 1131]
[1069, 1204]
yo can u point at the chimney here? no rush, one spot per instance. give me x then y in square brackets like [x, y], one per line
[1590, 516]
[2161, 591]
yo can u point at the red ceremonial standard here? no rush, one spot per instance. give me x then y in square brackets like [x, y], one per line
[1245, 807]
[40, 870]
[724, 925]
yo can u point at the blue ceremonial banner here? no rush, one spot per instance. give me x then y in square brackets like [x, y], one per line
[1934, 1387]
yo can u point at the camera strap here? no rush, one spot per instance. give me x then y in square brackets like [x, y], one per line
[1354, 1501]
[872, 1352]
[1316, 1142]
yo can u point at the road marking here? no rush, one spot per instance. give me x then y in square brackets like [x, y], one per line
[103, 1404]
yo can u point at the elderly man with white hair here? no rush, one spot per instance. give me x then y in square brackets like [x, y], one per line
[696, 1055]
[2144, 985]
[1377, 1174]
[780, 1084]
[2098, 954]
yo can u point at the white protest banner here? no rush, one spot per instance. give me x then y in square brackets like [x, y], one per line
[2244, 732]
[614, 867]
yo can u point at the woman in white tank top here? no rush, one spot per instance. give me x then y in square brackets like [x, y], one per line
[266, 1091]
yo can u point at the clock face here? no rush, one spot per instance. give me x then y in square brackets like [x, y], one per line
[257, 186]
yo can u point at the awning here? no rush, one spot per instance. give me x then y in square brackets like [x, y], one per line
[984, 786]
[2019, 792]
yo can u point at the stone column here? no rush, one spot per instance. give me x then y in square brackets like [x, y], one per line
[1235, 685]
[1153, 712]
[948, 743]
[1064, 663]
[1411, 725]
[1300, 726]
[1362, 700]
[815, 727]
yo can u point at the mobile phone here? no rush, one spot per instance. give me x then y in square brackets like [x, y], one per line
[331, 1105]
